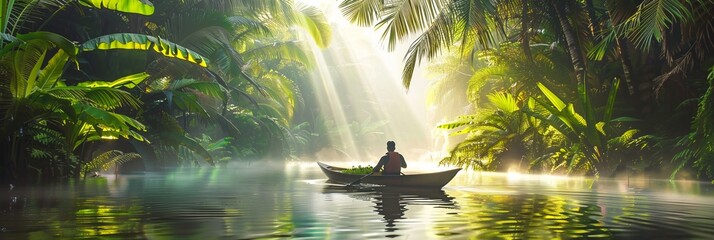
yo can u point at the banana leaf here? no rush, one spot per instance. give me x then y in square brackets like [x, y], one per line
[142, 7]
[129, 81]
[133, 41]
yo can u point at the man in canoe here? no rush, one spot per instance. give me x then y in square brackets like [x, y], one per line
[392, 161]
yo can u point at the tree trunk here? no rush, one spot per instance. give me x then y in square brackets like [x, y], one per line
[594, 25]
[622, 49]
[576, 55]
[525, 36]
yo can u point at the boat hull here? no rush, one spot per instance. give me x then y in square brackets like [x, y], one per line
[424, 180]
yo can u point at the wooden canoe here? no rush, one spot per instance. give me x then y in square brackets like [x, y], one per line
[421, 180]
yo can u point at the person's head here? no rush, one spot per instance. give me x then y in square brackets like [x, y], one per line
[390, 146]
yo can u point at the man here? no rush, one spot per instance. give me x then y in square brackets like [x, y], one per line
[392, 161]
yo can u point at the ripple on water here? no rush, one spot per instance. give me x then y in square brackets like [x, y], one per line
[298, 203]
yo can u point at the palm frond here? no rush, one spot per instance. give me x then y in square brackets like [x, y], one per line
[188, 103]
[279, 50]
[401, 18]
[504, 101]
[461, 121]
[427, 45]
[111, 98]
[653, 18]
[108, 159]
[102, 97]
[362, 12]
[24, 13]
[477, 23]
[40, 40]
[179, 139]
[211, 89]
[249, 24]
[482, 77]
[96, 116]
[313, 20]
[279, 9]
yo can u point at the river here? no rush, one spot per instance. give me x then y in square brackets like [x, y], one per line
[293, 200]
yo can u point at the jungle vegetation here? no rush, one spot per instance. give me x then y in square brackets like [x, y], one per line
[87, 85]
[593, 87]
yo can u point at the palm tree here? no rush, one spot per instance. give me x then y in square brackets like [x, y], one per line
[500, 136]
[471, 25]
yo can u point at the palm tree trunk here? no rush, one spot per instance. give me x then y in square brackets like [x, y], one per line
[525, 38]
[622, 49]
[576, 55]
[594, 25]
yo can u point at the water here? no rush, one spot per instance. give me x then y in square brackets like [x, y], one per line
[254, 201]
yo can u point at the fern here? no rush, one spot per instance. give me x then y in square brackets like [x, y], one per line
[696, 146]
[107, 160]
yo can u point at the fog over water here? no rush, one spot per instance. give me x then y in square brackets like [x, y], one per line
[293, 200]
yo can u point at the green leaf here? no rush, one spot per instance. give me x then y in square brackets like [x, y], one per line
[102, 97]
[554, 99]
[600, 127]
[609, 108]
[278, 50]
[503, 101]
[177, 138]
[189, 103]
[130, 81]
[362, 12]
[53, 70]
[42, 38]
[26, 65]
[108, 159]
[653, 18]
[133, 41]
[208, 88]
[589, 121]
[598, 52]
[314, 21]
[462, 120]
[96, 116]
[567, 116]
[142, 7]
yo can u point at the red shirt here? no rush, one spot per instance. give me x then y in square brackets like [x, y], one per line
[393, 163]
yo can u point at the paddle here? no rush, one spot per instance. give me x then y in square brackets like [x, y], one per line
[360, 179]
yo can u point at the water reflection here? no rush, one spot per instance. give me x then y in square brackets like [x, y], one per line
[393, 203]
[527, 216]
[292, 202]
[389, 205]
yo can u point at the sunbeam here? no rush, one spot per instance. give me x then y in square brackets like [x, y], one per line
[358, 85]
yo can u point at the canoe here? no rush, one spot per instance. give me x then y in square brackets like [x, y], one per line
[420, 180]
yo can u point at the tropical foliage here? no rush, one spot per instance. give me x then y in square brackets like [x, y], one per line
[594, 86]
[177, 82]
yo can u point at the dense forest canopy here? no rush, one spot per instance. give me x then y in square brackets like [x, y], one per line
[88, 85]
[581, 86]
[556, 86]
